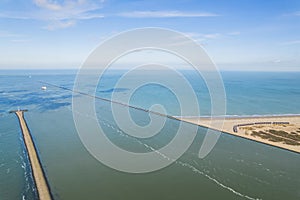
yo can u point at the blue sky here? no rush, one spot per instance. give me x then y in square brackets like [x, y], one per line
[237, 35]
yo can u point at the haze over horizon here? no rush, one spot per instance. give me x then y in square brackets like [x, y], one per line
[237, 35]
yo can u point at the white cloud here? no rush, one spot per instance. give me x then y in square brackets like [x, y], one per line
[60, 25]
[165, 14]
[13, 15]
[48, 4]
[20, 40]
[203, 37]
[234, 33]
[291, 42]
[276, 61]
[13, 37]
[60, 15]
[199, 38]
[70, 10]
[5, 34]
[212, 36]
[296, 13]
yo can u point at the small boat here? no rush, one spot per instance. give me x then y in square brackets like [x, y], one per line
[44, 88]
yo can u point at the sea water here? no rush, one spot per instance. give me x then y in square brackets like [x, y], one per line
[235, 169]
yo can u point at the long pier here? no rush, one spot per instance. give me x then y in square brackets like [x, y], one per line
[229, 124]
[37, 170]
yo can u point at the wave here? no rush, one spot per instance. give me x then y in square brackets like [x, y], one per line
[111, 90]
[183, 164]
[29, 191]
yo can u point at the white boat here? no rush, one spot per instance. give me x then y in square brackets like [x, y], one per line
[44, 88]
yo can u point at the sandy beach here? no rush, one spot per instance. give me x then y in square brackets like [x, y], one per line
[279, 131]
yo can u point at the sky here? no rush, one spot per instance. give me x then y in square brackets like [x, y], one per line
[237, 35]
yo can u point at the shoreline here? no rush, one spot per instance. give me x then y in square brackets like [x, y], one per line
[239, 116]
[268, 130]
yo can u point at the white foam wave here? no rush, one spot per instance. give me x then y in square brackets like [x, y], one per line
[194, 169]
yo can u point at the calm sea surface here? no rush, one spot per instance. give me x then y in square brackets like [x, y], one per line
[235, 169]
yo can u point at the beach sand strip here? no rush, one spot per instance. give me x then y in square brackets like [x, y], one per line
[278, 131]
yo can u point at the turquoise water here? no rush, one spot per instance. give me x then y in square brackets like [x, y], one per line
[235, 169]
